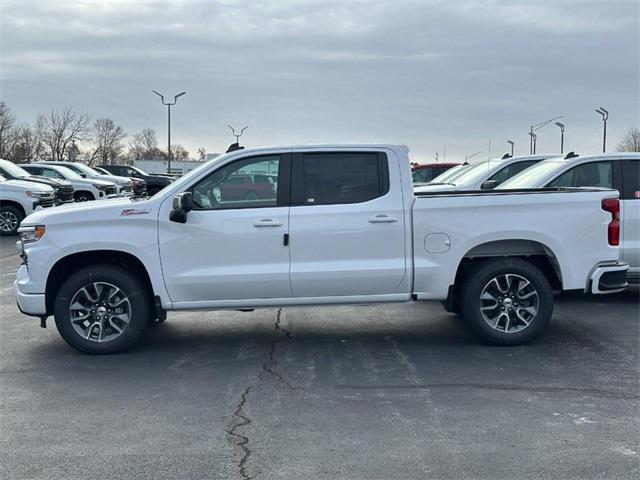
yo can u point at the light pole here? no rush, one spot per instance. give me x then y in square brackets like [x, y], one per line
[605, 117]
[534, 140]
[168, 104]
[512, 144]
[561, 125]
[534, 137]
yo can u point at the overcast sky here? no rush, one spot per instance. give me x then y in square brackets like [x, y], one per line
[430, 74]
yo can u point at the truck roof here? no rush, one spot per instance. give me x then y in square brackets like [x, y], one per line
[390, 146]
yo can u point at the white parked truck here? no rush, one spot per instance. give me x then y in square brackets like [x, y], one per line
[85, 189]
[339, 225]
[18, 199]
[482, 176]
[620, 171]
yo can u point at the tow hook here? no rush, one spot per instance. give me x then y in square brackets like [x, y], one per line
[43, 322]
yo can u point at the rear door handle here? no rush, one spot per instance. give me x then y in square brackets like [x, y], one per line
[267, 222]
[383, 219]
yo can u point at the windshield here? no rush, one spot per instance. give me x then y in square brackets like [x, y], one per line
[449, 175]
[532, 176]
[13, 170]
[66, 172]
[87, 170]
[476, 172]
[136, 169]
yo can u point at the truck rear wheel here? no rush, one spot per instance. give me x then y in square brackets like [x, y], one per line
[507, 301]
[102, 309]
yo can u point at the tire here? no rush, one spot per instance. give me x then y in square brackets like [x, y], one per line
[83, 196]
[251, 196]
[98, 334]
[500, 307]
[10, 218]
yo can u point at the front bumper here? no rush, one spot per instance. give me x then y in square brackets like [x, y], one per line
[608, 278]
[29, 303]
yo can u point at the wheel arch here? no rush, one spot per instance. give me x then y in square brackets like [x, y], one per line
[81, 190]
[71, 263]
[532, 251]
[13, 203]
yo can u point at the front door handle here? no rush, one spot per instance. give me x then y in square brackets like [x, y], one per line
[383, 219]
[267, 222]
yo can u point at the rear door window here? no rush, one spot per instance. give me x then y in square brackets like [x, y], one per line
[592, 174]
[339, 178]
[630, 180]
[423, 175]
[512, 170]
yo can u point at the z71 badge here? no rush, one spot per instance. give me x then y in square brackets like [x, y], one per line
[134, 211]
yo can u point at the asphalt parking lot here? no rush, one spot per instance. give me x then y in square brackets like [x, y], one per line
[384, 392]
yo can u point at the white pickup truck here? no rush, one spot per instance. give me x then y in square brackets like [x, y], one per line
[18, 199]
[337, 225]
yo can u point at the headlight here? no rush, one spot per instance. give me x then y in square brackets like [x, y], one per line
[99, 187]
[34, 194]
[30, 234]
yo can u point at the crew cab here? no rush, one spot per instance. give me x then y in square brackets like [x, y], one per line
[63, 190]
[84, 189]
[619, 171]
[18, 199]
[155, 183]
[342, 226]
[484, 175]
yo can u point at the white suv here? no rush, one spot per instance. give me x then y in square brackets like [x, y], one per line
[18, 199]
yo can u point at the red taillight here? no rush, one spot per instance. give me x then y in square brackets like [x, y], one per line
[612, 205]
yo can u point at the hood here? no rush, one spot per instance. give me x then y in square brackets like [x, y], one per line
[20, 185]
[95, 211]
[52, 182]
[56, 181]
[113, 179]
[94, 181]
[160, 179]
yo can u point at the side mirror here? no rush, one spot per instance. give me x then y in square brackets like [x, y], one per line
[83, 175]
[182, 204]
[489, 184]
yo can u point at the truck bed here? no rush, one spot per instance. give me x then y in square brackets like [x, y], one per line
[452, 225]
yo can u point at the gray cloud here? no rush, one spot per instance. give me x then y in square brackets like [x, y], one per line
[425, 73]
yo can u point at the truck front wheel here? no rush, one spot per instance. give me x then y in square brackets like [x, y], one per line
[10, 218]
[83, 196]
[507, 301]
[102, 309]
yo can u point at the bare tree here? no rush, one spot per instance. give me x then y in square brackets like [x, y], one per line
[145, 146]
[7, 121]
[59, 129]
[202, 154]
[631, 141]
[107, 137]
[178, 152]
[26, 145]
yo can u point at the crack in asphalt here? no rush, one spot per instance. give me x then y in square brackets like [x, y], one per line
[240, 417]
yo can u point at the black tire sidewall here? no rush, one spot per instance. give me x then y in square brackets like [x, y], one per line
[476, 281]
[86, 195]
[19, 215]
[139, 299]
